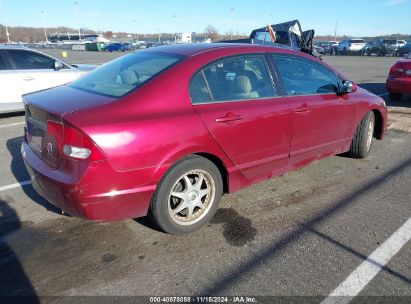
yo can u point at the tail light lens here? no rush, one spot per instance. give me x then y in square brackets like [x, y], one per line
[53, 142]
[407, 68]
[62, 139]
[401, 69]
[78, 145]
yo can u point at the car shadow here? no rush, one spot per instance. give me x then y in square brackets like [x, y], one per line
[273, 250]
[380, 88]
[9, 115]
[15, 286]
[21, 174]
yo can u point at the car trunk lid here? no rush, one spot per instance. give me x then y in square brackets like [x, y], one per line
[45, 127]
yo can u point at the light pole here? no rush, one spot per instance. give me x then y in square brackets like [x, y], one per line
[175, 34]
[8, 35]
[2, 9]
[44, 25]
[335, 33]
[134, 26]
[78, 19]
[232, 22]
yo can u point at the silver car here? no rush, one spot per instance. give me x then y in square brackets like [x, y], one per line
[25, 71]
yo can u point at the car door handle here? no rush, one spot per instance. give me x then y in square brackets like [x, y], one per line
[302, 110]
[229, 117]
[29, 78]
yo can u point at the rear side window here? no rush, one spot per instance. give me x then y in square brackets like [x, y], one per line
[199, 91]
[125, 74]
[234, 79]
[301, 77]
[26, 60]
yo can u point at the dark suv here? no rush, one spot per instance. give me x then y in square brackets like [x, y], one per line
[406, 49]
[381, 47]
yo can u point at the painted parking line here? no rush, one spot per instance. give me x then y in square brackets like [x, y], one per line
[368, 269]
[16, 185]
[382, 95]
[12, 125]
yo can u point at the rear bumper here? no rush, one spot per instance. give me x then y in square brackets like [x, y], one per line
[92, 191]
[399, 85]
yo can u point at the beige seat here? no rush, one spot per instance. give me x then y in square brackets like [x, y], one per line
[128, 77]
[242, 88]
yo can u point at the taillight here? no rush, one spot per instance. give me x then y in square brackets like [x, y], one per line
[78, 145]
[397, 70]
[53, 142]
[407, 68]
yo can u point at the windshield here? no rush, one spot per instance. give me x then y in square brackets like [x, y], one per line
[125, 74]
[357, 41]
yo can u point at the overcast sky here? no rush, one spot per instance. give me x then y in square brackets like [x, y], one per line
[354, 17]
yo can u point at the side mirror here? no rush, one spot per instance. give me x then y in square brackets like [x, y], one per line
[58, 65]
[348, 87]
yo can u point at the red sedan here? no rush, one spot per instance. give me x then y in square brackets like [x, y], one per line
[399, 80]
[167, 131]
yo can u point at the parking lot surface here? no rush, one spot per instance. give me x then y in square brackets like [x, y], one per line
[302, 234]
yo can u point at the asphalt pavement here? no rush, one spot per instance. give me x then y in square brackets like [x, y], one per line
[300, 237]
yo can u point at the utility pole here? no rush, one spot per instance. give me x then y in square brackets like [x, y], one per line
[78, 20]
[44, 25]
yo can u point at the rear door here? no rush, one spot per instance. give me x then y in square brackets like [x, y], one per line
[322, 120]
[36, 71]
[239, 104]
[10, 97]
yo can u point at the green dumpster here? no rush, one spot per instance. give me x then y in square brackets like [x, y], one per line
[96, 46]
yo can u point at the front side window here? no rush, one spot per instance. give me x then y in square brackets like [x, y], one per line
[302, 77]
[26, 60]
[125, 74]
[3, 65]
[240, 78]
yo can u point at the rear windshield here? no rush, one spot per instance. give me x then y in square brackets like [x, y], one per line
[390, 42]
[357, 41]
[121, 76]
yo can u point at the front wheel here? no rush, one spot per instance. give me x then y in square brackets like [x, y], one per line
[362, 141]
[187, 197]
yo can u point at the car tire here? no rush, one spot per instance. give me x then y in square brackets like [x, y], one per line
[362, 141]
[180, 188]
[394, 96]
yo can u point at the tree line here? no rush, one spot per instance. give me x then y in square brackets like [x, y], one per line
[36, 34]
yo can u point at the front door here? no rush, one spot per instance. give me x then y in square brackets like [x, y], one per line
[322, 120]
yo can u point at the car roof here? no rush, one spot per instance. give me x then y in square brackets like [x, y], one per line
[189, 50]
[10, 46]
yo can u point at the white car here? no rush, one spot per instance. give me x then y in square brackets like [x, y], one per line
[350, 46]
[24, 71]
